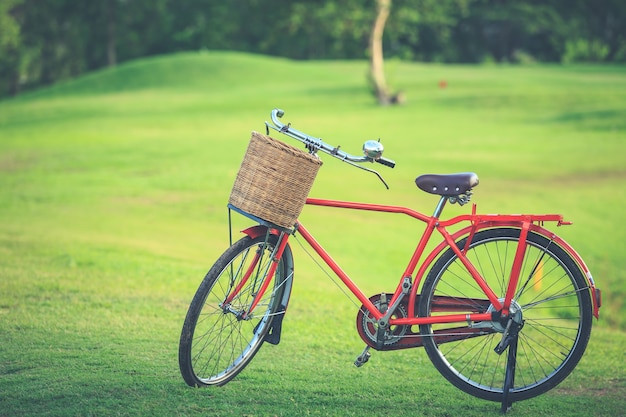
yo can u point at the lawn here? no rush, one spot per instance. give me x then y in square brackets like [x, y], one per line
[113, 190]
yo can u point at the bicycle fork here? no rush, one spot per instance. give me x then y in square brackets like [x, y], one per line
[262, 278]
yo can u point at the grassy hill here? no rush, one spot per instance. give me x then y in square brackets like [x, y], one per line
[112, 207]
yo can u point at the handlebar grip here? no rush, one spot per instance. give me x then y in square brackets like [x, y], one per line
[386, 162]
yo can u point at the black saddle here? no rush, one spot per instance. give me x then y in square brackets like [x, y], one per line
[447, 185]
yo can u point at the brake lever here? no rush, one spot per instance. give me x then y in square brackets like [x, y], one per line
[368, 170]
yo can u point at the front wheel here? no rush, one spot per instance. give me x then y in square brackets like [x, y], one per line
[220, 336]
[552, 301]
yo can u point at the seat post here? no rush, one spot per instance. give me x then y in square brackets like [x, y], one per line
[440, 206]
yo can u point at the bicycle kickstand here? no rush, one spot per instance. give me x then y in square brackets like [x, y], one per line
[509, 377]
[509, 339]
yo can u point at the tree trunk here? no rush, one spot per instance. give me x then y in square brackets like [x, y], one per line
[377, 73]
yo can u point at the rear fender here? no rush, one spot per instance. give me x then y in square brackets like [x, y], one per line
[596, 297]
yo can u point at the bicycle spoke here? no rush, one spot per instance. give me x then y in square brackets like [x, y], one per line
[225, 334]
[551, 306]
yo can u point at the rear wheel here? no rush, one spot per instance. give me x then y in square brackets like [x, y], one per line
[552, 303]
[220, 338]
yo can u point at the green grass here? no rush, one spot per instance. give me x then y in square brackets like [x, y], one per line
[112, 207]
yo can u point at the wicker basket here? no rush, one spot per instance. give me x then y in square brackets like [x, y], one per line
[274, 180]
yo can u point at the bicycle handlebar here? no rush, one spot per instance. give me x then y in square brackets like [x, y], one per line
[373, 150]
[386, 162]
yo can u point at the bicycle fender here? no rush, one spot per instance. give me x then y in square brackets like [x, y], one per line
[273, 335]
[259, 230]
[596, 297]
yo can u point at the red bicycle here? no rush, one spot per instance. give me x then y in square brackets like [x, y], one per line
[505, 309]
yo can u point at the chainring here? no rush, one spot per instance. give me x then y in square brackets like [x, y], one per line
[367, 326]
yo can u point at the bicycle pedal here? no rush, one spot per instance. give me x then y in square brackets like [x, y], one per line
[363, 358]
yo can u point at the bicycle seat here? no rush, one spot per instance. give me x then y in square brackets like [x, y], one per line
[447, 185]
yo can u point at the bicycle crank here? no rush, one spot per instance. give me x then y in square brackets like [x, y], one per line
[371, 332]
[404, 337]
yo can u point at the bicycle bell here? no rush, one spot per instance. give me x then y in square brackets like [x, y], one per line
[373, 149]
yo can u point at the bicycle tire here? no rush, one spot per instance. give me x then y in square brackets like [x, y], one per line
[217, 342]
[555, 306]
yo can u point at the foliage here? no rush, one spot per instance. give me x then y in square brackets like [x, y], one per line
[9, 29]
[9, 44]
[43, 42]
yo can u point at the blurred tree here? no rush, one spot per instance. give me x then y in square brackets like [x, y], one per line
[111, 16]
[613, 31]
[422, 29]
[9, 28]
[45, 41]
[595, 31]
[10, 41]
[377, 73]
[322, 29]
[197, 24]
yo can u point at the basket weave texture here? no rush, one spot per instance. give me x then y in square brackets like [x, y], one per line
[274, 180]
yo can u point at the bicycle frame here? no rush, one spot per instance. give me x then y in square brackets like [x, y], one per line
[476, 222]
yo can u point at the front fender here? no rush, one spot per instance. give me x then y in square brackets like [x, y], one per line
[259, 230]
[274, 333]
[287, 257]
